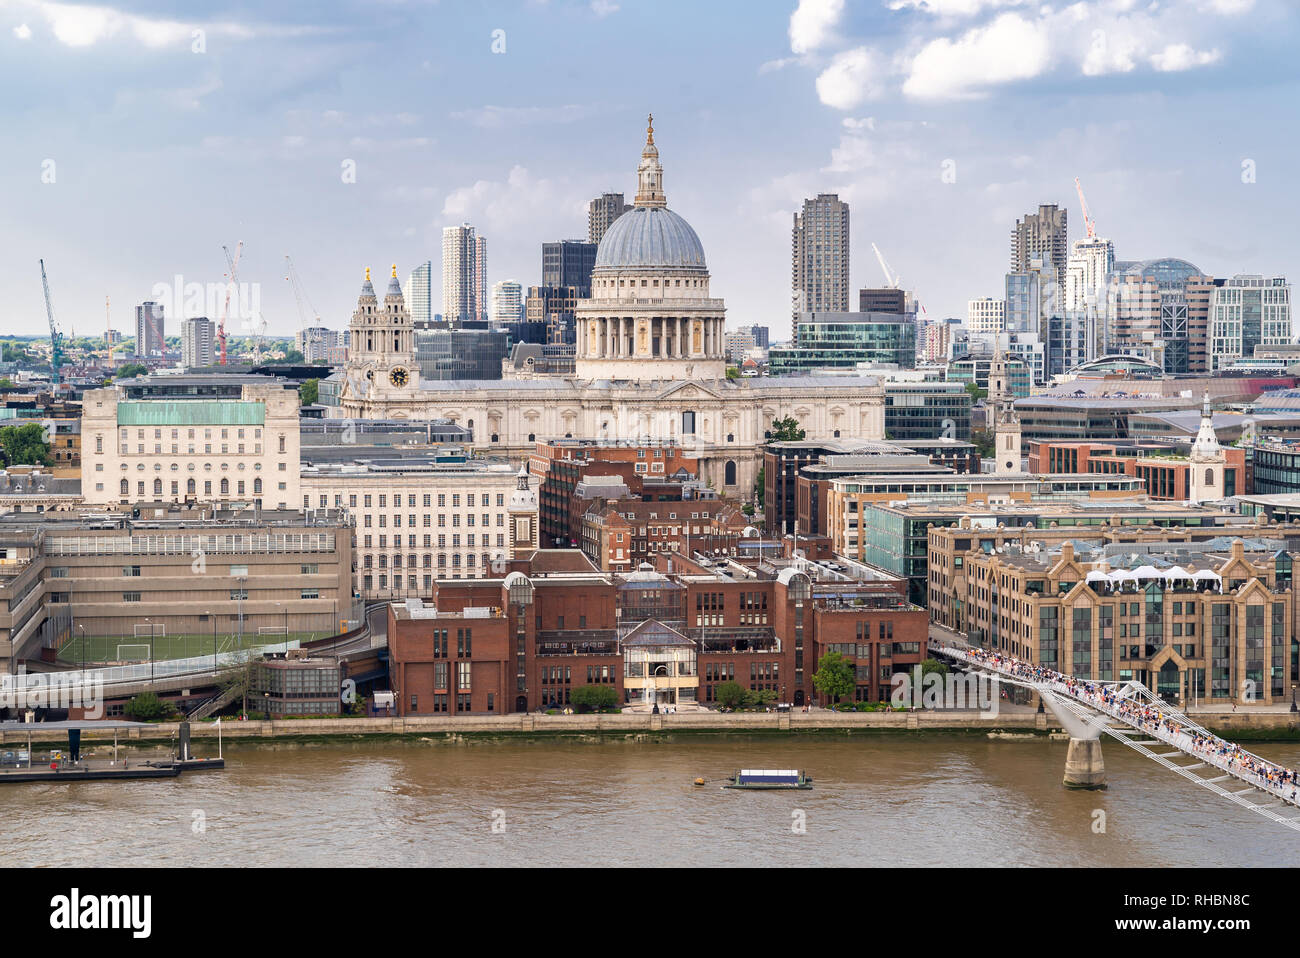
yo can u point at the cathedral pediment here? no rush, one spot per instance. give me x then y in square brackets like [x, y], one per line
[690, 389]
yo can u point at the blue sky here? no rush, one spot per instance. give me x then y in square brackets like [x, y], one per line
[162, 154]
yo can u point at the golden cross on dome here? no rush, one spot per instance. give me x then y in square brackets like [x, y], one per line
[394, 271]
[650, 129]
[367, 274]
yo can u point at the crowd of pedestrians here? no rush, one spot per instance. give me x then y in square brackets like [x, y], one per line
[1282, 782]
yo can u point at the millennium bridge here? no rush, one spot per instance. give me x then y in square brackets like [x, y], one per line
[1130, 713]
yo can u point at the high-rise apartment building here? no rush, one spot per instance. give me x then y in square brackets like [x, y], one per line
[480, 277]
[1040, 235]
[150, 341]
[507, 301]
[196, 342]
[1086, 273]
[569, 263]
[819, 258]
[459, 274]
[601, 212]
[419, 294]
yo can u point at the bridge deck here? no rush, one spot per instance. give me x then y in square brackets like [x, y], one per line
[1098, 704]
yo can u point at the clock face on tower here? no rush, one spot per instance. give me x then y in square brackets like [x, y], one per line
[398, 376]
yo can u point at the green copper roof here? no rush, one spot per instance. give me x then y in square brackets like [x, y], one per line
[191, 412]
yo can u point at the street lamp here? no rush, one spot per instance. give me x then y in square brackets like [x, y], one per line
[240, 598]
[1294, 707]
[150, 621]
[213, 619]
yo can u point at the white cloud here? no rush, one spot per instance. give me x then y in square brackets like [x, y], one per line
[779, 64]
[523, 205]
[84, 25]
[853, 76]
[1227, 8]
[497, 117]
[1179, 56]
[955, 8]
[812, 24]
[603, 8]
[1008, 49]
[23, 31]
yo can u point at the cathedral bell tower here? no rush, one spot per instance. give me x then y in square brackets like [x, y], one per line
[383, 338]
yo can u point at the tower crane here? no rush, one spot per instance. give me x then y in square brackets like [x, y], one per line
[233, 263]
[892, 279]
[108, 331]
[1087, 218]
[56, 338]
[300, 295]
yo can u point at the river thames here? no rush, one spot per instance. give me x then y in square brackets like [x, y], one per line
[877, 801]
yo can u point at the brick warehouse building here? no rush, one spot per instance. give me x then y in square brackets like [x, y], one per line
[669, 635]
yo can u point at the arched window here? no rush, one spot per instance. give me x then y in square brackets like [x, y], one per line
[257, 486]
[729, 474]
[190, 487]
[126, 487]
[225, 487]
[157, 487]
[532, 437]
[1209, 477]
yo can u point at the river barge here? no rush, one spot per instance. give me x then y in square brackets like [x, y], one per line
[765, 779]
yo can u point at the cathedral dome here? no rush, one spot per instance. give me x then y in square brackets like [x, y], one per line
[651, 237]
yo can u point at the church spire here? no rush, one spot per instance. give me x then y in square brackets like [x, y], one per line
[650, 175]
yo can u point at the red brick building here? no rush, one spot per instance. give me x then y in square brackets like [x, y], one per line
[651, 471]
[1163, 466]
[556, 622]
[618, 535]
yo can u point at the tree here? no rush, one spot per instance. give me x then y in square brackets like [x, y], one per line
[786, 430]
[834, 676]
[758, 698]
[983, 440]
[24, 445]
[733, 372]
[975, 392]
[729, 694]
[593, 698]
[131, 370]
[933, 665]
[309, 391]
[760, 485]
[293, 356]
[147, 707]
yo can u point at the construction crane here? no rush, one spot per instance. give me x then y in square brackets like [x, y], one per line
[108, 331]
[56, 338]
[300, 295]
[892, 279]
[1087, 219]
[233, 263]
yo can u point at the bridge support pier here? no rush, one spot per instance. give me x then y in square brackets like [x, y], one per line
[1084, 767]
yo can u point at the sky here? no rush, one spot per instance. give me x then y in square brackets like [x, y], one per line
[139, 139]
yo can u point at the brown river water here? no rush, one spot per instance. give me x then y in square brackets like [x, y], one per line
[877, 802]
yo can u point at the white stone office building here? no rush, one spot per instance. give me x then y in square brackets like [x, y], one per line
[227, 451]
